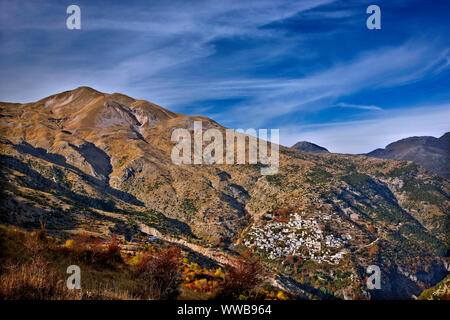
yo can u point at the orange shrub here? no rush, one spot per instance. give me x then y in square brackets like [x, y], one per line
[69, 243]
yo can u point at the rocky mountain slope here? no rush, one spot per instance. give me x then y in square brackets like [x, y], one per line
[429, 152]
[309, 147]
[86, 160]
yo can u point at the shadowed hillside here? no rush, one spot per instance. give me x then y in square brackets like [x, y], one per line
[429, 152]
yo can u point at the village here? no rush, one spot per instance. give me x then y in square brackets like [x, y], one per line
[303, 235]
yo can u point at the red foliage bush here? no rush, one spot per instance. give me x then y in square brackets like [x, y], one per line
[161, 275]
[112, 249]
[90, 249]
[142, 263]
[244, 275]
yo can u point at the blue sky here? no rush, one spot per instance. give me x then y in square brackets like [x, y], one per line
[310, 68]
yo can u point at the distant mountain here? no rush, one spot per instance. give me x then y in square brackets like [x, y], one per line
[309, 147]
[429, 152]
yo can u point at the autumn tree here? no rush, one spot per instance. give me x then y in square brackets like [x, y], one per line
[161, 275]
[245, 274]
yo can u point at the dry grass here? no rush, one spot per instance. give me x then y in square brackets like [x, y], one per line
[33, 266]
[34, 281]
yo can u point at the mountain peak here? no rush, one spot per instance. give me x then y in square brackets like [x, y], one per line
[85, 88]
[429, 152]
[309, 147]
[445, 138]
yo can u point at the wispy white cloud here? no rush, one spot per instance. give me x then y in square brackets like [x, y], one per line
[358, 106]
[167, 52]
[366, 135]
[167, 38]
[385, 67]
